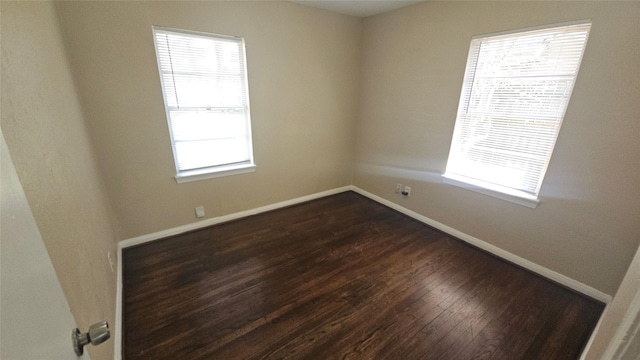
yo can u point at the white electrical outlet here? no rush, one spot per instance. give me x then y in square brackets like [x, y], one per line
[200, 211]
[407, 191]
[398, 188]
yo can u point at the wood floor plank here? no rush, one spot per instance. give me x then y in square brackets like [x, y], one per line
[340, 277]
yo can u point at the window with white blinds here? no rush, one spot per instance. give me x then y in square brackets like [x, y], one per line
[204, 83]
[515, 92]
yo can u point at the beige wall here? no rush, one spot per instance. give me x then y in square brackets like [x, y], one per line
[586, 226]
[26, 274]
[312, 74]
[303, 69]
[44, 128]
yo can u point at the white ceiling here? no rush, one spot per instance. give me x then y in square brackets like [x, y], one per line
[359, 8]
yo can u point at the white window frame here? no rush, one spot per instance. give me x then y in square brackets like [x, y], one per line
[219, 169]
[458, 173]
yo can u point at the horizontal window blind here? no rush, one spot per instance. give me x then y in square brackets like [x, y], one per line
[514, 96]
[205, 91]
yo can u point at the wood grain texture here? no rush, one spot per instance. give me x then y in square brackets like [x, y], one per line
[342, 277]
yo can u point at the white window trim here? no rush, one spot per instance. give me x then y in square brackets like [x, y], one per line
[220, 171]
[184, 176]
[499, 192]
[493, 190]
[533, 28]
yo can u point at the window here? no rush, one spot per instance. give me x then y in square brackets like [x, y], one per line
[206, 97]
[515, 92]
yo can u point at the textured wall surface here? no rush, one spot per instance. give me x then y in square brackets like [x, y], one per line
[586, 226]
[26, 273]
[45, 131]
[303, 71]
[335, 100]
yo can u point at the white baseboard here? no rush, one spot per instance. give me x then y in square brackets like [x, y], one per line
[224, 218]
[547, 273]
[189, 227]
[531, 266]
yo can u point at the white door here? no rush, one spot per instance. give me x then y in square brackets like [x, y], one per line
[36, 321]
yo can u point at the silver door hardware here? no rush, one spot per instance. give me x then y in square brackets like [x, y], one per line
[97, 334]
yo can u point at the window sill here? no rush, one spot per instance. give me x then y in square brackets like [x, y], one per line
[215, 172]
[514, 196]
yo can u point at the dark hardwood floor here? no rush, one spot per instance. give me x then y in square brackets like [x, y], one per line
[342, 277]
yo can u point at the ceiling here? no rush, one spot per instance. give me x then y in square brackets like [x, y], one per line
[359, 8]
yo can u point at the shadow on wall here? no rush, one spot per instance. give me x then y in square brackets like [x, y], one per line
[399, 172]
